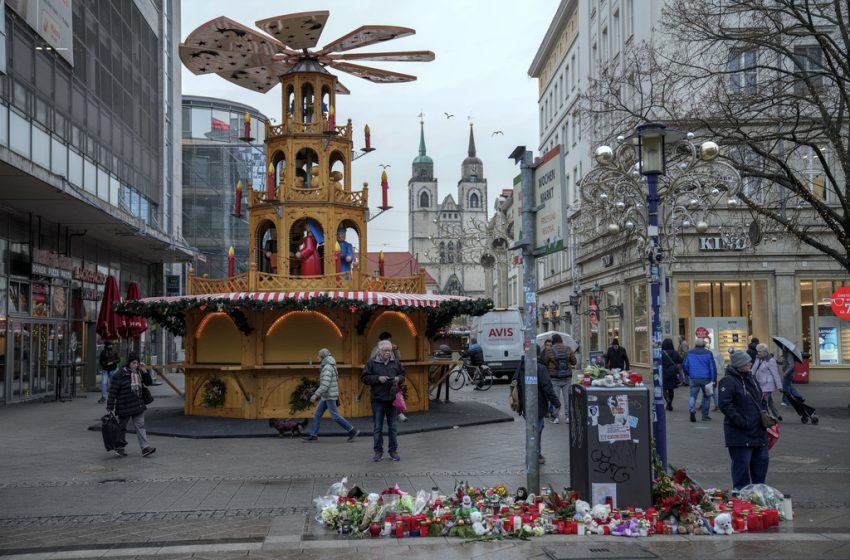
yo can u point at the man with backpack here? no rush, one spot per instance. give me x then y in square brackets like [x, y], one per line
[476, 359]
[560, 361]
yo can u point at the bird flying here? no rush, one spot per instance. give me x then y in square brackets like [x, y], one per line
[498, 132]
[448, 116]
[384, 166]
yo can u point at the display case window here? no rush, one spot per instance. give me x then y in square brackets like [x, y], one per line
[640, 348]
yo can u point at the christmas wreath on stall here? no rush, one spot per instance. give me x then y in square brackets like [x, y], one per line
[214, 392]
[300, 398]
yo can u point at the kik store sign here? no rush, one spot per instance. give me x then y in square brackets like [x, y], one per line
[721, 244]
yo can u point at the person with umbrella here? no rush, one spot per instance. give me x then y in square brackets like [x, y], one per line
[790, 354]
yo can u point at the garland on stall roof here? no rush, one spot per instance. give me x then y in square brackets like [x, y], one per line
[172, 314]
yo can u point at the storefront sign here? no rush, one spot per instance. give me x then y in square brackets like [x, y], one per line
[39, 269]
[702, 332]
[90, 294]
[718, 244]
[52, 259]
[841, 302]
[551, 216]
[87, 275]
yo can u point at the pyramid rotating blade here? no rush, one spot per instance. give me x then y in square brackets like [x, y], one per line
[224, 34]
[375, 75]
[400, 56]
[296, 31]
[200, 60]
[366, 35]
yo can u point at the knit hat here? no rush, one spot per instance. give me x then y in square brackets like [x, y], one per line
[740, 359]
[132, 357]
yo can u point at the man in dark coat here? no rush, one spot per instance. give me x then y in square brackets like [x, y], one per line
[670, 364]
[616, 357]
[740, 401]
[751, 348]
[108, 364]
[125, 398]
[384, 375]
[546, 397]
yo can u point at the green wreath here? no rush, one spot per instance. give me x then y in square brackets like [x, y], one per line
[300, 398]
[214, 392]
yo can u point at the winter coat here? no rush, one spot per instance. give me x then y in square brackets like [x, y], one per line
[788, 366]
[475, 354]
[550, 358]
[767, 374]
[670, 360]
[616, 358]
[374, 369]
[108, 360]
[122, 399]
[699, 364]
[328, 389]
[742, 424]
[751, 351]
[545, 391]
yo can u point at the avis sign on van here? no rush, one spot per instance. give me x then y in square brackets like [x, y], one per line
[506, 332]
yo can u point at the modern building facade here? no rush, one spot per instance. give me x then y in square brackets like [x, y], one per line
[214, 161]
[726, 282]
[87, 152]
[446, 237]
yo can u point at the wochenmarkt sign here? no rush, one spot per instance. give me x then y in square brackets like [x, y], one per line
[551, 218]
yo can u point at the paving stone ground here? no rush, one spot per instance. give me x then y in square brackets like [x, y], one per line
[62, 496]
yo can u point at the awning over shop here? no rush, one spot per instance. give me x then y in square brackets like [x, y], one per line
[370, 298]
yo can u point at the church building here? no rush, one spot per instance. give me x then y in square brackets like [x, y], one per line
[448, 237]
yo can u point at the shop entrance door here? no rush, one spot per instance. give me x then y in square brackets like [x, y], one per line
[34, 348]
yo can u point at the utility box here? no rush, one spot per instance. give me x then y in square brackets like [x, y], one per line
[610, 442]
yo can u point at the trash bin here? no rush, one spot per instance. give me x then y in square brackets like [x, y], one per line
[610, 431]
[801, 371]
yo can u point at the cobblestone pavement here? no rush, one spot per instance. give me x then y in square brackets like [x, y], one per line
[62, 496]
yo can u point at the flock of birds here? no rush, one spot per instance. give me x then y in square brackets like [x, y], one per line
[450, 116]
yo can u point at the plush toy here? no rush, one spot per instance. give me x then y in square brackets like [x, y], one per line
[498, 526]
[688, 524]
[600, 516]
[723, 524]
[630, 528]
[477, 523]
[607, 381]
[521, 493]
[582, 510]
[447, 526]
[673, 523]
[703, 526]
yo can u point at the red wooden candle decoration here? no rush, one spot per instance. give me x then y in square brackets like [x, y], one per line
[381, 263]
[237, 209]
[331, 119]
[368, 137]
[270, 186]
[231, 262]
[247, 125]
[385, 185]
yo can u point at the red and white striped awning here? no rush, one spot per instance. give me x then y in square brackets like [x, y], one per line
[372, 298]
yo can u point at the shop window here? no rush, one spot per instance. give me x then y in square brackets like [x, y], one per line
[640, 346]
[807, 310]
[683, 299]
[19, 297]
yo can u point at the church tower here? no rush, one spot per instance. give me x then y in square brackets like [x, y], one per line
[422, 201]
[472, 187]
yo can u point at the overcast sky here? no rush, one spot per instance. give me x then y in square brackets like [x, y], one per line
[483, 50]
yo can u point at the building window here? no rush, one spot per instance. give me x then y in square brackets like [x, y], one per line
[628, 19]
[640, 347]
[442, 251]
[825, 336]
[808, 67]
[424, 200]
[474, 201]
[743, 77]
[811, 171]
[450, 252]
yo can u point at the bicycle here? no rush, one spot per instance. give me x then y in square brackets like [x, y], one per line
[464, 373]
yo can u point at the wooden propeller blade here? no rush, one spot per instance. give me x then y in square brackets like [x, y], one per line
[401, 56]
[224, 34]
[200, 60]
[297, 31]
[261, 79]
[375, 75]
[366, 35]
[341, 89]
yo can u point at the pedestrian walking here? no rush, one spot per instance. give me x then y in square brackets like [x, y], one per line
[384, 374]
[108, 366]
[682, 349]
[788, 362]
[125, 398]
[671, 368]
[699, 367]
[718, 364]
[766, 373]
[328, 394]
[746, 437]
[546, 398]
[752, 352]
[616, 356]
[560, 361]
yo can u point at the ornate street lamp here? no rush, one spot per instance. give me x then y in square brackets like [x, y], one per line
[684, 185]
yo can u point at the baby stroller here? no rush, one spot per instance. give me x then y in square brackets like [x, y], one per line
[805, 411]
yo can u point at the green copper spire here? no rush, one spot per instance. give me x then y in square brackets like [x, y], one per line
[422, 157]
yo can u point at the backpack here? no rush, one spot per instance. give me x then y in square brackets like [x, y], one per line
[513, 396]
[562, 363]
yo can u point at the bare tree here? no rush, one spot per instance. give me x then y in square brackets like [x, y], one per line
[769, 79]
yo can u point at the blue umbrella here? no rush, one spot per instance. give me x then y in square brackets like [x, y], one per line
[790, 346]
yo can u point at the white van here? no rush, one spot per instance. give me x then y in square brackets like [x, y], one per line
[499, 332]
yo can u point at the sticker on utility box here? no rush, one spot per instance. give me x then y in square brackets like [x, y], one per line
[531, 380]
[614, 432]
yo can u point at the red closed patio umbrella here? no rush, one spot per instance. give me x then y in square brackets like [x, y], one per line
[109, 323]
[134, 325]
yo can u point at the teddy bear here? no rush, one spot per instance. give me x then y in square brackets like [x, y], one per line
[478, 523]
[582, 510]
[498, 526]
[600, 516]
[723, 524]
[703, 526]
[629, 528]
[688, 524]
